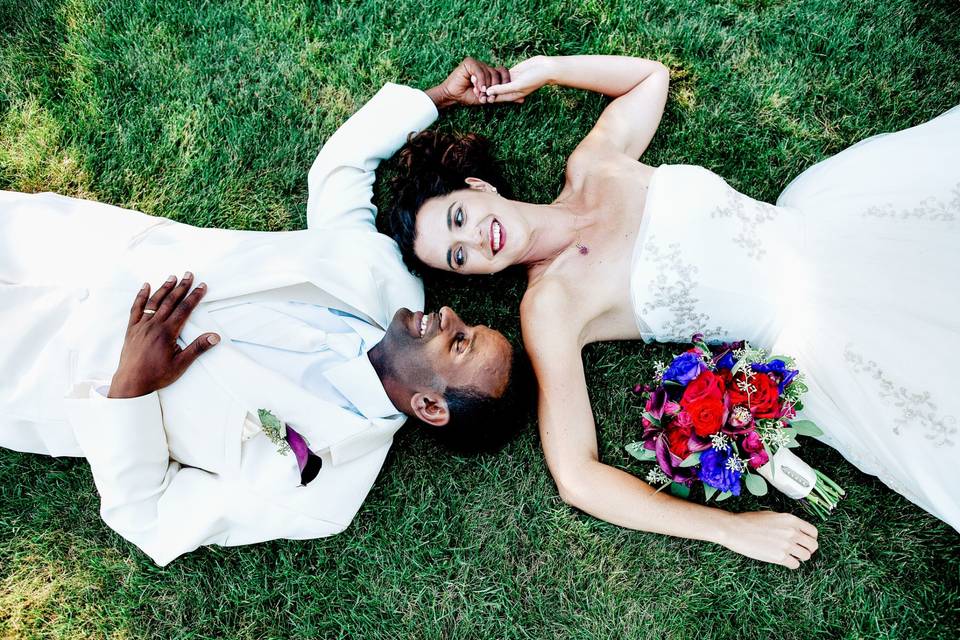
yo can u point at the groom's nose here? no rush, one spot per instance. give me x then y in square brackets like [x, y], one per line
[450, 321]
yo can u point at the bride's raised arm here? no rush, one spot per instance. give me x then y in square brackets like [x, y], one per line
[638, 85]
[551, 333]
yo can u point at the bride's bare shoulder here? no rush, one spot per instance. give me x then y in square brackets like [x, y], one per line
[547, 308]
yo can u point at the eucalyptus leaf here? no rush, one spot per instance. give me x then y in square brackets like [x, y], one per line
[691, 460]
[649, 416]
[268, 420]
[755, 484]
[806, 428]
[679, 490]
[723, 495]
[636, 450]
[710, 491]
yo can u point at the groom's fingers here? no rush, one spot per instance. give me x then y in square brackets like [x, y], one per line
[195, 349]
[178, 317]
[157, 298]
[136, 311]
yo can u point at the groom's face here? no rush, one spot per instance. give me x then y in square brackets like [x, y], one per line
[438, 351]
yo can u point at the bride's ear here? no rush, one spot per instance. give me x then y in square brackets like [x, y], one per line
[480, 185]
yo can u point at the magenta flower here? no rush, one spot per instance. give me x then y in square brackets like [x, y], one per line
[754, 447]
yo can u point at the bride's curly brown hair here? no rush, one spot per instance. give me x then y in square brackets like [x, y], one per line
[433, 164]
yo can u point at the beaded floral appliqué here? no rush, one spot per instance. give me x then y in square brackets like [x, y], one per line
[671, 289]
[928, 209]
[916, 409]
[750, 214]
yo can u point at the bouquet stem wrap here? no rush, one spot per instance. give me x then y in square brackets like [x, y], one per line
[789, 474]
[798, 480]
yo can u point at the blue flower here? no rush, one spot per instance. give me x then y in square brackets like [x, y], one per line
[726, 361]
[684, 368]
[714, 472]
[778, 367]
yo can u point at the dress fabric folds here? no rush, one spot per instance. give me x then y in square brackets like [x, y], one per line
[854, 272]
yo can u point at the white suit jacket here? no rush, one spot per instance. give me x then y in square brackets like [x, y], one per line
[170, 467]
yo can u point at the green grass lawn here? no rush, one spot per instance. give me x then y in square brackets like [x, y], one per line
[211, 113]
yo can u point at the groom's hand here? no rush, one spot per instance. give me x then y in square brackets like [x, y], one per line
[467, 84]
[151, 358]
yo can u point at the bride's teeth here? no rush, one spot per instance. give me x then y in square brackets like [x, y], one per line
[496, 236]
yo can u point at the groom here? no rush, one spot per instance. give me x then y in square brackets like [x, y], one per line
[311, 361]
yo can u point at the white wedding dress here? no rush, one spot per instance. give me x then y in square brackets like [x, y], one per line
[855, 273]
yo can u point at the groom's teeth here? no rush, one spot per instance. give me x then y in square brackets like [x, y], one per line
[423, 325]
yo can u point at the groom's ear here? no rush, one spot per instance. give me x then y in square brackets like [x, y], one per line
[430, 408]
[480, 185]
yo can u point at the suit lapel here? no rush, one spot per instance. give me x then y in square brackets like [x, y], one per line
[323, 424]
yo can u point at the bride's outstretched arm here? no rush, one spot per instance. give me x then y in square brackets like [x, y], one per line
[569, 440]
[638, 85]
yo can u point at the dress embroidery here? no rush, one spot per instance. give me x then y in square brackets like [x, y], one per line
[915, 408]
[750, 218]
[928, 209]
[671, 289]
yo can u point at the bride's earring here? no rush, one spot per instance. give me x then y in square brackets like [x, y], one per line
[479, 185]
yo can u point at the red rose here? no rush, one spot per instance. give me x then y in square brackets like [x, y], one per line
[678, 439]
[764, 402]
[726, 377]
[707, 415]
[706, 385]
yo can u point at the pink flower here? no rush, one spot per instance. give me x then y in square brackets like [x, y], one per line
[754, 446]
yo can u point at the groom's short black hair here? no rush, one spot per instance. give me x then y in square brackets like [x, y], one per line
[480, 423]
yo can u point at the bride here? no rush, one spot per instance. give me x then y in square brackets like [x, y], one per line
[853, 273]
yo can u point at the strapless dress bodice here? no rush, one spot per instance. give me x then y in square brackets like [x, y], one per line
[710, 259]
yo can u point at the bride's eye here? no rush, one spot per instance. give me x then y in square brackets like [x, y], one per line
[458, 257]
[459, 218]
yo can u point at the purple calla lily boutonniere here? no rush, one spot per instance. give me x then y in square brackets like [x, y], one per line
[288, 440]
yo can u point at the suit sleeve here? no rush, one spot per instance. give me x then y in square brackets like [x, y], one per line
[341, 178]
[155, 503]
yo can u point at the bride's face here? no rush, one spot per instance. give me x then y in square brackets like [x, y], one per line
[471, 232]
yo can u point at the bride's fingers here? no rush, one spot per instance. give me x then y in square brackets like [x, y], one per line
[508, 97]
[800, 553]
[501, 89]
[807, 542]
[808, 529]
[790, 562]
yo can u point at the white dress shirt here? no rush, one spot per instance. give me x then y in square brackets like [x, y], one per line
[321, 349]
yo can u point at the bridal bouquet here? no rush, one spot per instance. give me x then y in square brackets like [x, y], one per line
[728, 420]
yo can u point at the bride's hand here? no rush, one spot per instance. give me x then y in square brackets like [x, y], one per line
[525, 78]
[778, 538]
